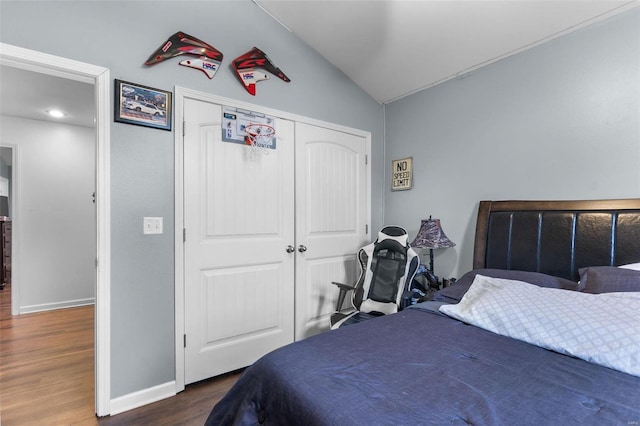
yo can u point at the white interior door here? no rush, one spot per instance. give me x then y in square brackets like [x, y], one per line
[238, 275]
[331, 220]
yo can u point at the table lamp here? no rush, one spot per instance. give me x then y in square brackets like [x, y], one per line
[431, 236]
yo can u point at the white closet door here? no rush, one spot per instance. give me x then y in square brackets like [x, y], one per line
[238, 214]
[331, 215]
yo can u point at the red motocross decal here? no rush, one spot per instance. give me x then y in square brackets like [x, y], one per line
[245, 65]
[180, 44]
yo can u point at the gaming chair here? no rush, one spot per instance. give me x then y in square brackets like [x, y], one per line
[387, 268]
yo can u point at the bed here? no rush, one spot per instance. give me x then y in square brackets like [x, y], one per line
[461, 358]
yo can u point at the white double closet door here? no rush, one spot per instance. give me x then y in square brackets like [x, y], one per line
[265, 237]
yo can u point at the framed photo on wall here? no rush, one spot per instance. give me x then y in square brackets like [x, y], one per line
[142, 105]
[401, 174]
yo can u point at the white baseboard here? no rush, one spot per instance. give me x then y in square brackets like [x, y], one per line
[57, 305]
[142, 397]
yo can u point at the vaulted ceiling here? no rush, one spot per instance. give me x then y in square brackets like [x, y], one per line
[392, 48]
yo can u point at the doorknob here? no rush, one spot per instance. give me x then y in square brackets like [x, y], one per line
[302, 248]
[290, 249]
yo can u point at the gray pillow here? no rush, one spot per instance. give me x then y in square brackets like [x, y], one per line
[455, 291]
[609, 279]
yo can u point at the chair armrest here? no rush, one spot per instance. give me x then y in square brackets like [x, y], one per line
[344, 287]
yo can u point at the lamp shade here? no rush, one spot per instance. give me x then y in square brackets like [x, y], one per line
[431, 236]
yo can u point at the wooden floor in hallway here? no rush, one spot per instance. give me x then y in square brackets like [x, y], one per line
[46, 365]
[47, 375]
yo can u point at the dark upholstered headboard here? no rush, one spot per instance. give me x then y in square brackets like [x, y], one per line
[557, 237]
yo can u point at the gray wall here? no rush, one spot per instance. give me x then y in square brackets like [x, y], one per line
[120, 36]
[54, 222]
[559, 121]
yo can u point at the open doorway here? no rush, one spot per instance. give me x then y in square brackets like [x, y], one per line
[98, 78]
[53, 211]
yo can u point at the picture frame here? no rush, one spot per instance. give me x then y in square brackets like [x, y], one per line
[142, 105]
[401, 174]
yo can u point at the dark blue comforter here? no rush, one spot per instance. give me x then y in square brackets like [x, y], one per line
[421, 368]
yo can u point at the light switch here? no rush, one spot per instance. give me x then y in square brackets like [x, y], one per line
[152, 225]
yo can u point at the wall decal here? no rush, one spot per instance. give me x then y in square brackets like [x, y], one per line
[208, 57]
[245, 68]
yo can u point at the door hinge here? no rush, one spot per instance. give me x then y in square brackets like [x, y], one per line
[366, 229]
[366, 159]
[184, 235]
[185, 340]
[184, 128]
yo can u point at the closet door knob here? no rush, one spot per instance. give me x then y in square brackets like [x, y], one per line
[290, 249]
[302, 248]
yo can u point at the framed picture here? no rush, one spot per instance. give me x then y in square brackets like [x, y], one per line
[142, 105]
[401, 174]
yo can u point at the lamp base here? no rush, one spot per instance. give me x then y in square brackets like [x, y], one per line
[431, 262]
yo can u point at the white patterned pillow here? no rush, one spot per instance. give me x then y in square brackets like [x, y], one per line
[600, 328]
[634, 266]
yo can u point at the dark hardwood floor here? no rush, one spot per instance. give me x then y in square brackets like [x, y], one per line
[47, 375]
[188, 408]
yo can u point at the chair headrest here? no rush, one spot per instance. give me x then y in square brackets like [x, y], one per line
[395, 233]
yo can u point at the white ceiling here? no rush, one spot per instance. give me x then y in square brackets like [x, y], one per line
[393, 48]
[28, 94]
[390, 48]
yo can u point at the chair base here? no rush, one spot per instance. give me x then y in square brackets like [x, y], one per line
[339, 319]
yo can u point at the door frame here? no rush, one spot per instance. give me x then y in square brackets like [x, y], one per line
[180, 94]
[31, 60]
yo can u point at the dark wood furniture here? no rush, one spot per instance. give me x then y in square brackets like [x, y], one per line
[5, 253]
[557, 237]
